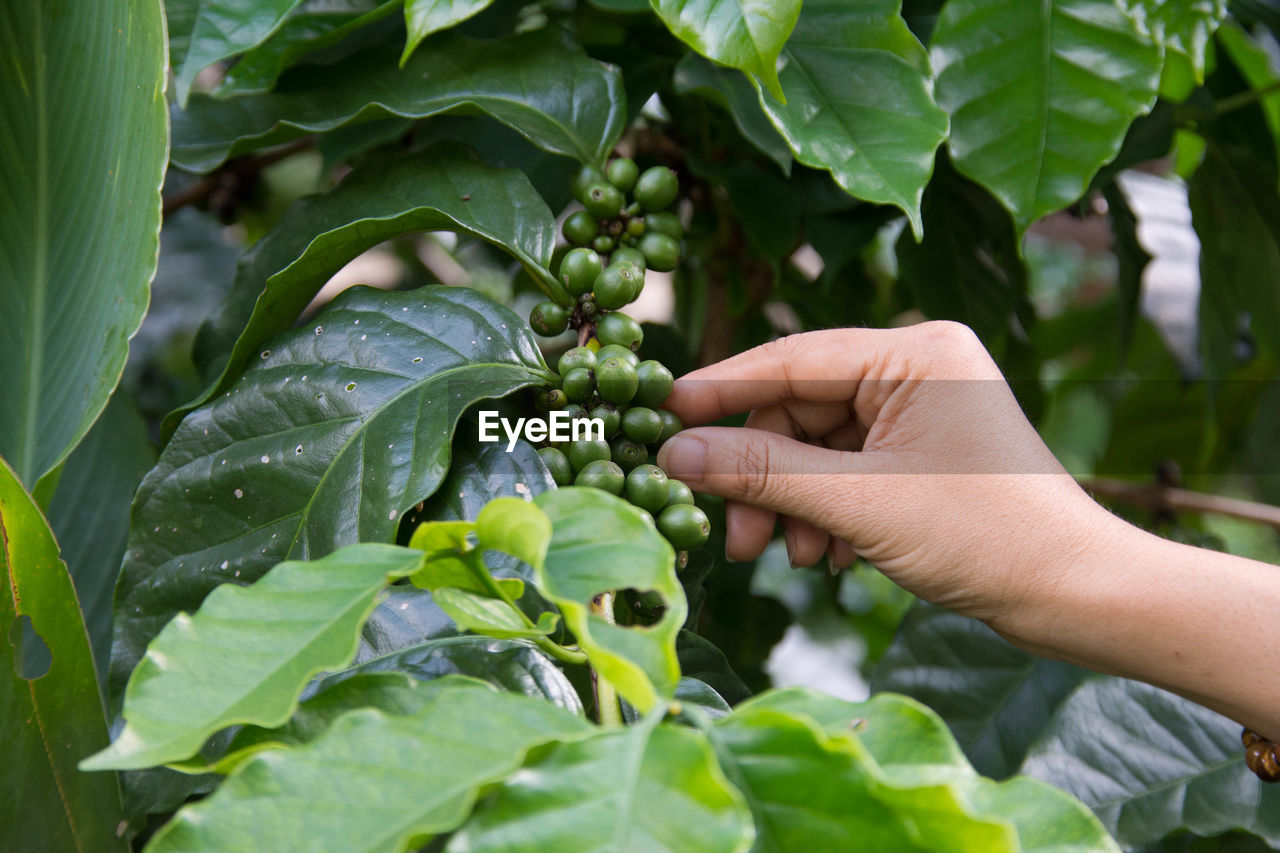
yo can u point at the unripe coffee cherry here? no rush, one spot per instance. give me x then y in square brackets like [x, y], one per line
[622, 173]
[614, 287]
[557, 465]
[627, 453]
[678, 492]
[615, 351]
[603, 201]
[616, 380]
[583, 179]
[664, 222]
[619, 330]
[646, 487]
[579, 269]
[609, 416]
[661, 251]
[656, 383]
[641, 424]
[656, 188]
[576, 357]
[548, 319]
[580, 228]
[579, 383]
[584, 451]
[685, 526]
[671, 425]
[602, 474]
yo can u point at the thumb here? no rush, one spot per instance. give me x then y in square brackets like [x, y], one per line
[767, 470]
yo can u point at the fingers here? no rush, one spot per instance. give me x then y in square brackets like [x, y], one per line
[748, 530]
[840, 554]
[806, 544]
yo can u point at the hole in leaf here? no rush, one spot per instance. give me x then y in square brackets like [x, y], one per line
[34, 657]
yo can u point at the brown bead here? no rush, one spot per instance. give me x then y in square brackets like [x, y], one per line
[1249, 737]
[1270, 765]
[1253, 755]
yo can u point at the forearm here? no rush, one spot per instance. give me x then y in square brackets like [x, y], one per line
[1200, 623]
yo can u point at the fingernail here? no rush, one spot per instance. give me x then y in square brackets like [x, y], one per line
[683, 457]
[791, 548]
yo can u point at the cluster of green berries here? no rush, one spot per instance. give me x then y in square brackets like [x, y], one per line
[603, 379]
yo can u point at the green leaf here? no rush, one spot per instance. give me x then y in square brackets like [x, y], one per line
[50, 718]
[443, 188]
[89, 513]
[537, 83]
[311, 26]
[372, 781]
[1255, 66]
[326, 440]
[859, 101]
[424, 17]
[1034, 113]
[1149, 762]
[514, 527]
[744, 34]
[699, 658]
[600, 543]
[247, 653]
[733, 92]
[79, 214]
[1182, 25]
[202, 32]
[645, 787]
[490, 616]
[995, 697]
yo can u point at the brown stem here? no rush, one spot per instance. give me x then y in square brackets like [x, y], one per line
[1159, 498]
[242, 167]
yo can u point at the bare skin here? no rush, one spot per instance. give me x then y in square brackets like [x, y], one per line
[906, 447]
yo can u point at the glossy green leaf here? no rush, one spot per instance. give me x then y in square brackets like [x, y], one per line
[646, 787]
[1148, 763]
[600, 543]
[246, 654]
[311, 26]
[1182, 25]
[373, 781]
[1040, 94]
[745, 34]
[443, 188]
[202, 32]
[53, 718]
[336, 430]
[699, 658]
[83, 153]
[1256, 67]
[995, 697]
[490, 616]
[547, 89]
[734, 92]
[514, 527]
[424, 17]
[859, 101]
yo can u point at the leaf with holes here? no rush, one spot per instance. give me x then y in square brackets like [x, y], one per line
[549, 91]
[859, 101]
[373, 781]
[443, 188]
[79, 215]
[327, 439]
[52, 718]
[1035, 109]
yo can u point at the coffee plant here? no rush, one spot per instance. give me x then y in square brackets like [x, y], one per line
[300, 563]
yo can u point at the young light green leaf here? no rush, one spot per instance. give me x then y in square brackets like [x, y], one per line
[745, 34]
[79, 214]
[51, 718]
[247, 653]
[490, 616]
[373, 782]
[424, 17]
[336, 430]
[1033, 114]
[646, 787]
[859, 101]
[600, 543]
[537, 83]
[1182, 25]
[202, 32]
[516, 527]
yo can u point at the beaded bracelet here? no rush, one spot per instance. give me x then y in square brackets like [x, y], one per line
[1262, 756]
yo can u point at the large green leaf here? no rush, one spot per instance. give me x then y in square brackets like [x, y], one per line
[1254, 64]
[327, 439]
[600, 543]
[246, 654]
[51, 719]
[996, 698]
[859, 101]
[83, 151]
[424, 17]
[745, 34]
[1149, 763]
[1182, 25]
[441, 188]
[646, 787]
[373, 781]
[538, 83]
[201, 32]
[311, 26]
[734, 92]
[1040, 94]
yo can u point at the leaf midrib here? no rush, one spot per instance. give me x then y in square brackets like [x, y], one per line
[33, 387]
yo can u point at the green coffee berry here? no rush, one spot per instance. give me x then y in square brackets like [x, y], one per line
[580, 228]
[602, 474]
[548, 319]
[656, 383]
[551, 400]
[603, 244]
[641, 424]
[620, 330]
[656, 188]
[661, 251]
[578, 270]
[603, 201]
[613, 287]
[646, 605]
[671, 425]
[615, 351]
[622, 173]
[627, 255]
[578, 385]
[583, 179]
[678, 492]
[627, 453]
[635, 228]
[646, 487]
[608, 414]
[557, 465]
[685, 526]
[584, 451]
[575, 410]
[576, 357]
[616, 380]
[664, 222]
[633, 209]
